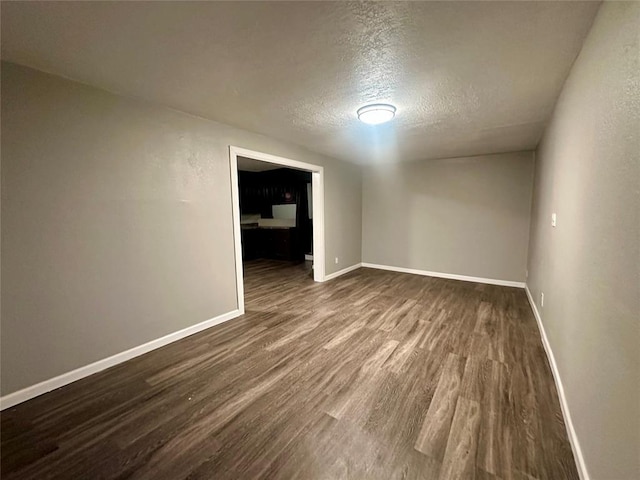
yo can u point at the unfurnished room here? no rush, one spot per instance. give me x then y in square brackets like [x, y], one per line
[320, 240]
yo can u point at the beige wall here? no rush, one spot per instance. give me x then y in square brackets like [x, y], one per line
[466, 216]
[588, 266]
[116, 222]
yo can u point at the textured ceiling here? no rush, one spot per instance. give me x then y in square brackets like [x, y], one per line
[467, 78]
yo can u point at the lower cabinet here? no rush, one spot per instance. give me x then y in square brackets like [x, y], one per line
[277, 243]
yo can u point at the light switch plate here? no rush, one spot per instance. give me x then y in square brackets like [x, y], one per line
[553, 219]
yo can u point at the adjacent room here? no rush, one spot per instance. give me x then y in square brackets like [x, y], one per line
[276, 225]
[320, 240]
[275, 212]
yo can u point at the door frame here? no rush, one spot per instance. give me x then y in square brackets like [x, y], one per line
[317, 194]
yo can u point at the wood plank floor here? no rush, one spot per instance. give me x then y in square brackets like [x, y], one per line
[375, 375]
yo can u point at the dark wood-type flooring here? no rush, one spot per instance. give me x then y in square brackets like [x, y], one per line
[373, 375]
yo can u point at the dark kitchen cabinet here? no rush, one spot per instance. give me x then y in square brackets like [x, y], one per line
[279, 243]
[251, 243]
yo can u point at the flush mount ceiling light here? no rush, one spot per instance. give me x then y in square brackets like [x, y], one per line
[376, 113]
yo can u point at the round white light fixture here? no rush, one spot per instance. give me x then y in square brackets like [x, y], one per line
[376, 113]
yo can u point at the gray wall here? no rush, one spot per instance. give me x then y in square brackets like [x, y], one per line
[466, 216]
[116, 222]
[588, 266]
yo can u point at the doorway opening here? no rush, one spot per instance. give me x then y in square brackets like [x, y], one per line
[278, 211]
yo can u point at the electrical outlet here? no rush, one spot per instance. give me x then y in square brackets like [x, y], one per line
[541, 299]
[337, 260]
[553, 220]
[526, 273]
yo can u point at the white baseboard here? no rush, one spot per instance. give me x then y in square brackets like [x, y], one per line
[451, 276]
[573, 438]
[308, 257]
[45, 386]
[333, 275]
